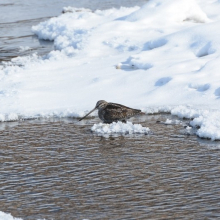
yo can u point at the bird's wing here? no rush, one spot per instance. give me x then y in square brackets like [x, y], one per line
[115, 111]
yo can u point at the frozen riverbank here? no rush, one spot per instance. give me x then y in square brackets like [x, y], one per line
[17, 17]
[166, 54]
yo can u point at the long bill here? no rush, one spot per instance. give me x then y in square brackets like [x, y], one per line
[87, 114]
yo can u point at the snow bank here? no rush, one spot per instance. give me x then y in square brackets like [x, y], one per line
[209, 125]
[206, 121]
[72, 37]
[163, 56]
[6, 216]
[165, 12]
[119, 127]
[9, 117]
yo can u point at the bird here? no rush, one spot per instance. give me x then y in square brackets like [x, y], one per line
[112, 112]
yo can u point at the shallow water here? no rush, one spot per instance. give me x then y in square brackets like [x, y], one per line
[58, 169]
[17, 18]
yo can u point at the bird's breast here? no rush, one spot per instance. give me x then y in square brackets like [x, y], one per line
[101, 114]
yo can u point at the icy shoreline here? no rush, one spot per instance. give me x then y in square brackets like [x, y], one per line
[165, 53]
[207, 122]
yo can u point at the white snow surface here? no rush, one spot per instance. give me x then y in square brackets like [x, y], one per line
[171, 122]
[7, 216]
[163, 56]
[119, 127]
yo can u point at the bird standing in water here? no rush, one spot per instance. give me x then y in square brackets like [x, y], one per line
[112, 112]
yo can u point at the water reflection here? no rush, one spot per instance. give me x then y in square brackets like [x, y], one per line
[57, 169]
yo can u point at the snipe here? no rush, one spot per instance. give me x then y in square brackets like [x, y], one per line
[112, 112]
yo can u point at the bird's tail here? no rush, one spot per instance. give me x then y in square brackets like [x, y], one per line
[139, 112]
[142, 113]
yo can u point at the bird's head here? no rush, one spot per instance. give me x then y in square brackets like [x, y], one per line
[99, 105]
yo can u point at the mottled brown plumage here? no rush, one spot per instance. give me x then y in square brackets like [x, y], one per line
[112, 112]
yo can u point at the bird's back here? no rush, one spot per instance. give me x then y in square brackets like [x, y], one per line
[116, 112]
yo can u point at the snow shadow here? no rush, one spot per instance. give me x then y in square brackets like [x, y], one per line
[205, 50]
[217, 92]
[199, 87]
[132, 64]
[150, 45]
[162, 81]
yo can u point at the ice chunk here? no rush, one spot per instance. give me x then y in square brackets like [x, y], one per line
[119, 127]
[209, 125]
[172, 122]
[6, 216]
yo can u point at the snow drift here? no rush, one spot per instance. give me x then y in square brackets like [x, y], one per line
[163, 55]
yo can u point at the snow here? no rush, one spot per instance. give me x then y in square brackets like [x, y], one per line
[168, 11]
[171, 122]
[70, 9]
[207, 121]
[6, 216]
[119, 127]
[24, 48]
[161, 57]
[208, 125]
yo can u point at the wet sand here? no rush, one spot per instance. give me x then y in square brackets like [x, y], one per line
[58, 169]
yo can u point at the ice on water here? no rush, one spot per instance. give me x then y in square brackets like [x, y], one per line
[7, 216]
[120, 128]
[170, 122]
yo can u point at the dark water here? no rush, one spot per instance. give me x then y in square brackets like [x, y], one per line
[60, 170]
[17, 18]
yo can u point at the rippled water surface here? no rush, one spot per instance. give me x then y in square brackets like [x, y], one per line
[58, 169]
